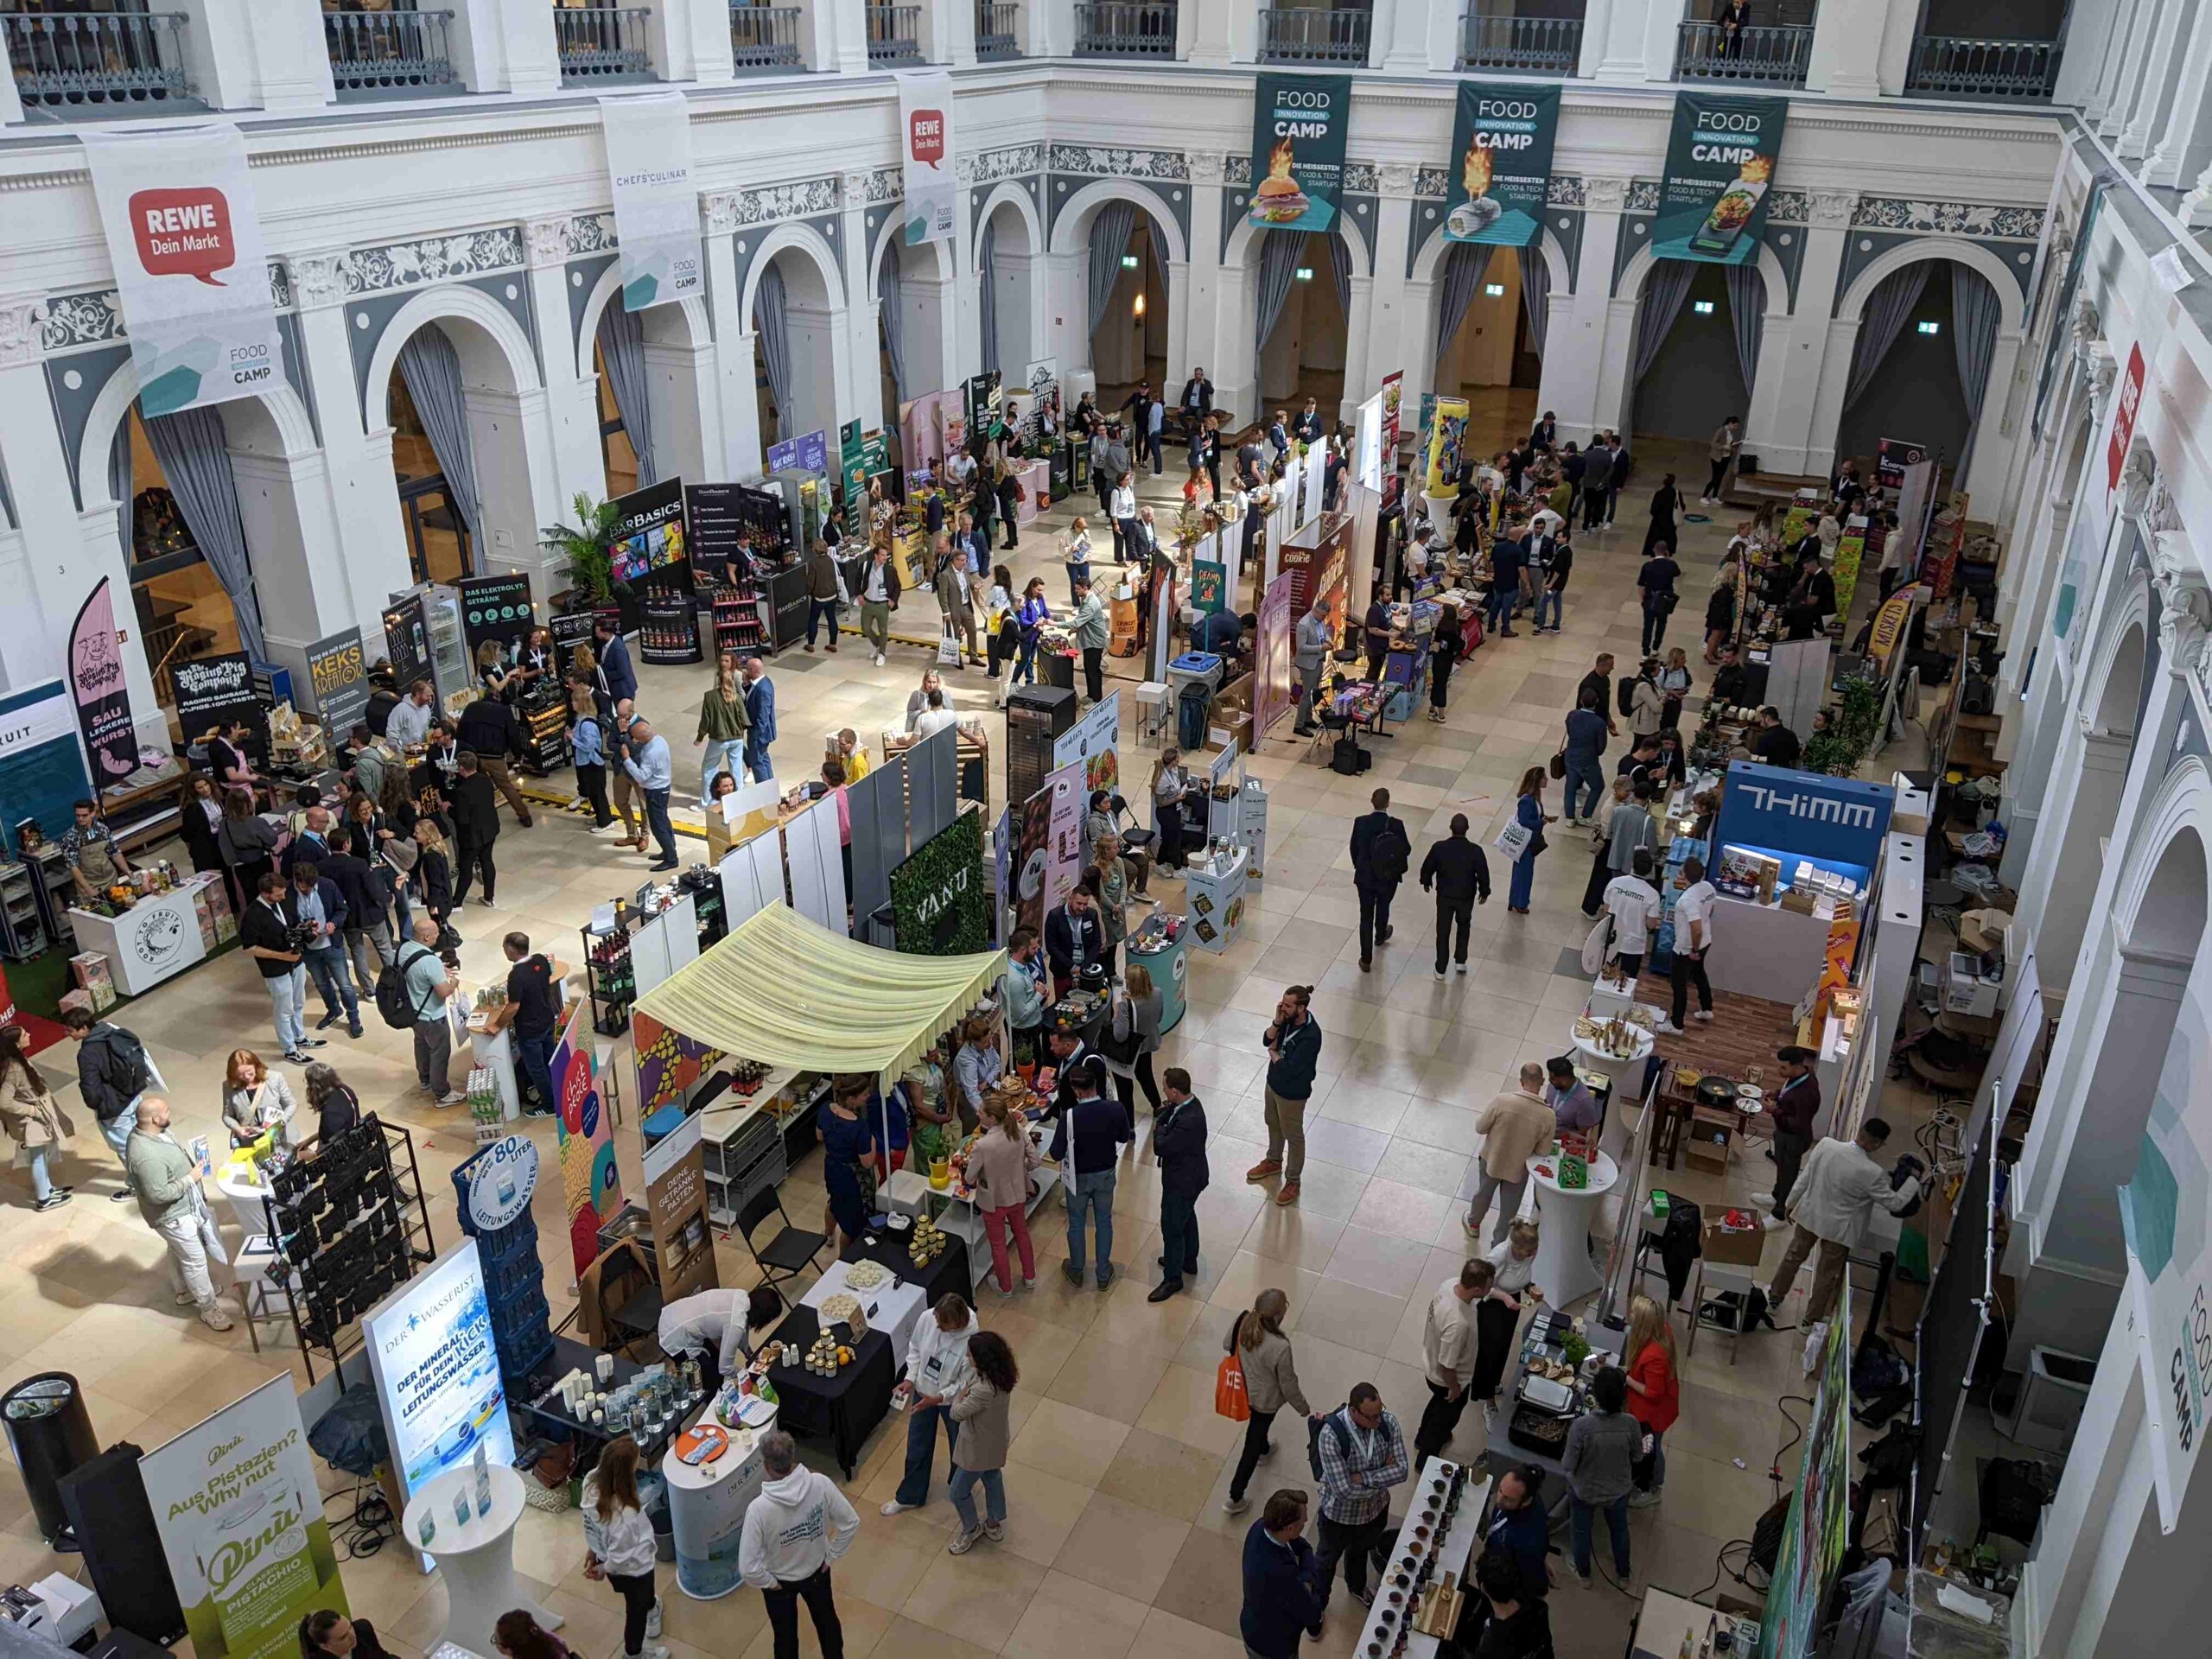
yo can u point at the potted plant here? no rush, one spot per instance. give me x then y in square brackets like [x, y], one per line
[587, 551]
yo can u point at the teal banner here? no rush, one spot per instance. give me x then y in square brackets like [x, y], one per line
[1720, 160]
[1300, 124]
[1502, 160]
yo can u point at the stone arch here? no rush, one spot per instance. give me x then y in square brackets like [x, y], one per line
[1021, 301]
[1428, 263]
[1638, 272]
[1025, 208]
[685, 420]
[274, 423]
[491, 344]
[2010, 313]
[825, 386]
[2114, 689]
[1243, 240]
[1072, 225]
[698, 328]
[890, 239]
[2161, 902]
[819, 267]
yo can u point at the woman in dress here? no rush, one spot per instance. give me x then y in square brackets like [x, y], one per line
[1529, 813]
[200, 821]
[255, 1099]
[847, 1135]
[1666, 502]
[34, 1121]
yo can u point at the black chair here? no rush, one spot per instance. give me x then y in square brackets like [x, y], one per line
[629, 1302]
[793, 1250]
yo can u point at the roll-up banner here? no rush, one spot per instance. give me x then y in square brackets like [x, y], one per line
[1720, 160]
[339, 671]
[925, 119]
[177, 209]
[656, 204]
[102, 700]
[1502, 163]
[1300, 124]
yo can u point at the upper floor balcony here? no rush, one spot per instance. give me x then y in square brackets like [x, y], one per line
[1533, 46]
[763, 38]
[602, 45]
[1333, 35]
[894, 35]
[996, 24]
[1125, 28]
[402, 53]
[93, 64]
[1963, 66]
[1770, 54]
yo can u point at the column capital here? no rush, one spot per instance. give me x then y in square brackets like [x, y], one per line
[722, 207]
[2137, 479]
[2102, 364]
[1605, 196]
[318, 279]
[547, 241]
[853, 187]
[1207, 166]
[20, 316]
[1832, 209]
[1396, 179]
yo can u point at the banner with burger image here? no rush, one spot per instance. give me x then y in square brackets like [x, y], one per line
[1502, 149]
[1298, 127]
[1721, 157]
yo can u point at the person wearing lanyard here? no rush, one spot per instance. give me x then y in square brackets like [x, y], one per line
[1363, 1455]
[1693, 938]
[938, 1367]
[1024, 995]
[1088, 1140]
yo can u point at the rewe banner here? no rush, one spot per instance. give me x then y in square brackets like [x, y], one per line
[656, 204]
[925, 124]
[177, 209]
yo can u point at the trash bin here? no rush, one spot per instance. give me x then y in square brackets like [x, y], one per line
[52, 1434]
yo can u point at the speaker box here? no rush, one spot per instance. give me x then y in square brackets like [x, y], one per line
[107, 1507]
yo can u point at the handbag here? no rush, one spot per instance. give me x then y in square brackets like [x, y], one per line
[1513, 841]
[947, 647]
[1559, 762]
[1231, 1398]
[1120, 1047]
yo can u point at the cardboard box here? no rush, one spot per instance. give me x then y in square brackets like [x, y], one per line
[1734, 1249]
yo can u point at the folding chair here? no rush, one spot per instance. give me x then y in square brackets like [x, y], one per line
[790, 1252]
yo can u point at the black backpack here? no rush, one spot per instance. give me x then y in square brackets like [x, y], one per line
[1624, 693]
[395, 1003]
[1390, 853]
[1333, 1422]
[123, 1064]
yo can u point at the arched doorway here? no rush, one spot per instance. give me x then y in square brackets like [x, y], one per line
[1933, 319]
[1119, 316]
[798, 312]
[653, 375]
[1490, 356]
[1008, 262]
[1300, 290]
[1694, 353]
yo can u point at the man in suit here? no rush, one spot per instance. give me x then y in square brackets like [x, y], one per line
[617, 681]
[1197, 400]
[475, 827]
[760, 709]
[312, 844]
[1138, 407]
[367, 903]
[1380, 849]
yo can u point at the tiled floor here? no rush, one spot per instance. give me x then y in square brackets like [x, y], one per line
[1116, 1541]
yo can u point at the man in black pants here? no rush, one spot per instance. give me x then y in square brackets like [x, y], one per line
[1796, 1108]
[1693, 938]
[1380, 849]
[1456, 871]
[475, 827]
[794, 1532]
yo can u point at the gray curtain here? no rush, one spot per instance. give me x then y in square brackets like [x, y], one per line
[987, 294]
[622, 349]
[1974, 310]
[1747, 308]
[1537, 293]
[1279, 252]
[890, 296]
[431, 368]
[1664, 290]
[1109, 240]
[1887, 309]
[1340, 262]
[769, 321]
[196, 461]
[119, 484]
[1464, 271]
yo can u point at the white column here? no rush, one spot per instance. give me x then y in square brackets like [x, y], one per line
[2088, 27]
[687, 413]
[1203, 285]
[11, 103]
[1051, 26]
[1853, 45]
[841, 37]
[1582, 336]
[2127, 85]
[2146, 123]
[2196, 207]
[1205, 33]
[864, 348]
[2185, 148]
[1793, 353]
[505, 46]
[1408, 34]
[949, 32]
[2088, 779]
[1631, 42]
[735, 392]
[240, 56]
[690, 40]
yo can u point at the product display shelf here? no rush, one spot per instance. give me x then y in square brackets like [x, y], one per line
[743, 1145]
[23, 925]
[611, 979]
[738, 623]
[57, 890]
[545, 733]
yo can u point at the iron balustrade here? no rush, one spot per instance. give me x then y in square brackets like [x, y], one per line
[1314, 34]
[1536, 46]
[388, 52]
[601, 42]
[994, 36]
[894, 34]
[1967, 66]
[763, 37]
[1125, 29]
[1773, 54]
[97, 60]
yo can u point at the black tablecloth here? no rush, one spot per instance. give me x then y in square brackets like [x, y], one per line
[844, 1409]
[949, 1273]
[569, 1354]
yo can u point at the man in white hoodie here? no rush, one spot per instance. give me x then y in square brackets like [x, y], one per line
[797, 1527]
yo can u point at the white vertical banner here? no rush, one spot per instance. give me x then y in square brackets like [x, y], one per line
[925, 119]
[177, 209]
[656, 204]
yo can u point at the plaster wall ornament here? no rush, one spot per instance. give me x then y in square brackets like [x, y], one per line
[722, 214]
[2104, 374]
[319, 280]
[1395, 178]
[2136, 482]
[1605, 195]
[2160, 514]
[548, 240]
[1832, 208]
[854, 190]
[1207, 166]
[2088, 323]
[19, 331]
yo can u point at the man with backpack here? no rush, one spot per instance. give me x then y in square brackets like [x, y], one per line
[411, 995]
[1358, 1452]
[113, 1073]
[1380, 849]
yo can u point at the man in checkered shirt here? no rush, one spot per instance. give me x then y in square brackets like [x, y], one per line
[1363, 1456]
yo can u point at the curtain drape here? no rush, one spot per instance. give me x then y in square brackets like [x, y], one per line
[1340, 262]
[622, 349]
[1109, 240]
[1537, 293]
[431, 369]
[1974, 310]
[195, 459]
[1279, 252]
[891, 298]
[987, 294]
[1747, 309]
[774, 329]
[1463, 275]
[1887, 309]
[120, 485]
[1664, 290]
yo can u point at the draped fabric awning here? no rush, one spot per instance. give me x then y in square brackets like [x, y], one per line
[787, 991]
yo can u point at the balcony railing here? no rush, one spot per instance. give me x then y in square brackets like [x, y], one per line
[994, 37]
[763, 37]
[1774, 54]
[1536, 46]
[1313, 34]
[101, 62]
[601, 42]
[894, 34]
[1963, 66]
[1125, 29]
[387, 53]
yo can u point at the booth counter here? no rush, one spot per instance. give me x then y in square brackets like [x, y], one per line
[157, 938]
[706, 1502]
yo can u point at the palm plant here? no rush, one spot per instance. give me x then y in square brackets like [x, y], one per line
[587, 548]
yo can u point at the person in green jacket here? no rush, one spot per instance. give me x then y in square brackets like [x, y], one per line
[723, 726]
[1087, 628]
[166, 1177]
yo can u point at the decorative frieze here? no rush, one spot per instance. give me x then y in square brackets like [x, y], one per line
[434, 259]
[590, 233]
[1104, 160]
[1013, 161]
[1947, 217]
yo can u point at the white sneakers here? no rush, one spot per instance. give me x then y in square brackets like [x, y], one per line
[1668, 1028]
[653, 1622]
[1764, 1200]
[1704, 1015]
[879, 659]
[894, 1507]
[214, 1319]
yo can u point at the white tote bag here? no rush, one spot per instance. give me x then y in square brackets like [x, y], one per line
[1513, 841]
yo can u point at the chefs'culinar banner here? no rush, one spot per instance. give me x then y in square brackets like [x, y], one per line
[925, 119]
[656, 204]
[177, 209]
[1299, 126]
[102, 700]
[1720, 160]
[1501, 163]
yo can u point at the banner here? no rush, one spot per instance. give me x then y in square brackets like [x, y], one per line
[339, 671]
[938, 904]
[177, 209]
[1720, 159]
[1888, 626]
[240, 1514]
[437, 1371]
[103, 701]
[497, 607]
[213, 689]
[1503, 140]
[1094, 740]
[649, 537]
[1299, 126]
[2123, 418]
[1394, 398]
[675, 1199]
[1817, 1529]
[1273, 692]
[591, 1184]
[656, 203]
[933, 195]
[1446, 439]
[1051, 845]
[807, 453]
[407, 642]
[1209, 586]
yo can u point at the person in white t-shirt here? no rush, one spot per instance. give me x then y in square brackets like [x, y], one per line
[1635, 905]
[936, 717]
[1693, 938]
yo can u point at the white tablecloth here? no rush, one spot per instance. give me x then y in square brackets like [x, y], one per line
[891, 1312]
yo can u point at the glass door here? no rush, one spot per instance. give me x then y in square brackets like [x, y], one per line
[438, 548]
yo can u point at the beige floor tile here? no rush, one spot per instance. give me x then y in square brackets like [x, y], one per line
[1390, 1266]
[1123, 1547]
[1110, 1377]
[1160, 1474]
[1401, 1210]
[1297, 1236]
[1350, 1316]
[1192, 1592]
[1167, 1636]
[1070, 1616]
[977, 1597]
[1075, 1444]
[1041, 1510]
[1181, 1408]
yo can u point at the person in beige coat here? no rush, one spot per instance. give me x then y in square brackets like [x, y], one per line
[998, 1169]
[983, 1411]
[35, 1121]
[1270, 1383]
[1515, 1127]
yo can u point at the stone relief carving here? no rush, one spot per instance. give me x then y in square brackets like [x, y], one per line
[547, 240]
[437, 258]
[1105, 161]
[19, 331]
[319, 279]
[1237, 169]
[1831, 208]
[1947, 217]
[591, 233]
[1211, 167]
[1605, 195]
[1015, 162]
[81, 319]
[1565, 190]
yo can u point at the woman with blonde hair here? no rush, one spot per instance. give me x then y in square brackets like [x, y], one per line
[1654, 1392]
[723, 726]
[255, 1098]
[1113, 897]
[998, 1169]
[34, 1118]
[491, 668]
[1075, 553]
[619, 1543]
[1137, 1009]
[1270, 1383]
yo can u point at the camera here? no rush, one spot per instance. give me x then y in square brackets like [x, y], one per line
[300, 935]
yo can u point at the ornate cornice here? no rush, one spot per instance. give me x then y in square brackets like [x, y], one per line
[1947, 217]
[439, 258]
[1398, 181]
[1605, 196]
[319, 279]
[1111, 161]
[19, 343]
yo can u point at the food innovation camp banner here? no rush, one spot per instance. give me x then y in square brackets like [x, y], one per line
[1720, 158]
[656, 206]
[1299, 126]
[177, 209]
[1502, 148]
[925, 119]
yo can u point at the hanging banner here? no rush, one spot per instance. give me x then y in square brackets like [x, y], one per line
[1720, 159]
[649, 541]
[498, 608]
[1209, 586]
[1447, 436]
[339, 671]
[177, 209]
[932, 194]
[591, 1184]
[2123, 418]
[675, 1199]
[1273, 692]
[1094, 742]
[209, 690]
[240, 1514]
[1051, 845]
[656, 204]
[1299, 126]
[1502, 143]
[102, 702]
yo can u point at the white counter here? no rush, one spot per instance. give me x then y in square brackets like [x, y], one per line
[1764, 950]
[155, 939]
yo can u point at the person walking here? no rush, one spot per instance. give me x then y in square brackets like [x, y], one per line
[999, 1163]
[724, 724]
[1599, 1460]
[1655, 590]
[1529, 813]
[1087, 1141]
[1655, 1393]
[1628, 830]
[1694, 907]
[794, 1531]
[1516, 1125]
[165, 1178]
[1727, 440]
[434, 873]
[1284, 1589]
[937, 1367]
[1458, 873]
[618, 679]
[1293, 1045]
[619, 1543]
[1029, 620]
[1666, 502]
[488, 729]
[645, 758]
[760, 710]
[825, 592]
[1838, 1189]
[1636, 910]
[114, 1070]
[1596, 482]
[1447, 1351]
[1443, 658]
[267, 933]
[475, 829]
[1381, 850]
[981, 1414]
[428, 987]
[1583, 752]
[1363, 1455]
[1178, 1142]
[879, 591]
[1087, 628]
[1263, 1354]
[1647, 705]
[34, 1121]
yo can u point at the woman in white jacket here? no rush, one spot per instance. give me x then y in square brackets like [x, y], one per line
[618, 1544]
[936, 1369]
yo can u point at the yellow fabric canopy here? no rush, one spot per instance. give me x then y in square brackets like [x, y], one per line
[788, 992]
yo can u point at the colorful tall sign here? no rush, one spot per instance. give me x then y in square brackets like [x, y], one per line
[103, 701]
[1502, 163]
[656, 202]
[240, 1514]
[1447, 439]
[436, 1369]
[184, 239]
[591, 1182]
[1720, 161]
[932, 193]
[1300, 124]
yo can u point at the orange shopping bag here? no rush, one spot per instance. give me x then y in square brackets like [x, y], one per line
[1230, 1399]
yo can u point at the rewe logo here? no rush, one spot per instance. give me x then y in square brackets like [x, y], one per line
[926, 136]
[183, 232]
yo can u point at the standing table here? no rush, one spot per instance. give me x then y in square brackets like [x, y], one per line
[706, 1511]
[155, 939]
[476, 1561]
[950, 1275]
[843, 1409]
[891, 1307]
[1563, 1270]
[1625, 1077]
